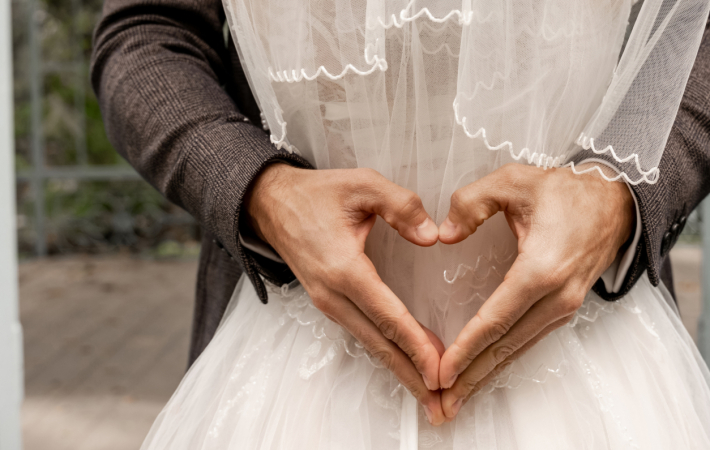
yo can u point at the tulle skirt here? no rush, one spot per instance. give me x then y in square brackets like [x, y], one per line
[281, 376]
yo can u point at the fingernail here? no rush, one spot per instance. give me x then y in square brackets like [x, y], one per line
[448, 228]
[429, 415]
[426, 381]
[451, 382]
[427, 230]
[456, 406]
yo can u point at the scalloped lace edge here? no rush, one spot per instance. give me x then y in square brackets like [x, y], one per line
[548, 161]
[650, 176]
[464, 19]
[293, 76]
[539, 159]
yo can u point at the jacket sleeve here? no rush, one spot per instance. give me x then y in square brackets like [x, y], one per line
[684, 178]
[162, 71]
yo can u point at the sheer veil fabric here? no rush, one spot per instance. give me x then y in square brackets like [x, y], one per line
[435, 95]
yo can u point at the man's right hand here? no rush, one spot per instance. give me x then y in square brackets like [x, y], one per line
[317, 221]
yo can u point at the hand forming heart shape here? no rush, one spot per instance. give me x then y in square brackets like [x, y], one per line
[569, 228]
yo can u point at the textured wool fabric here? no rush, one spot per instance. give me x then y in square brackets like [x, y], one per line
[177, 106]
[684, 181]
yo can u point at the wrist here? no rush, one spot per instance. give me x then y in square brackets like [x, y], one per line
[267, 188]
[618, 198]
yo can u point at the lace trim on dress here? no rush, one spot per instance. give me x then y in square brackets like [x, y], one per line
[511, 379]
[299, 307]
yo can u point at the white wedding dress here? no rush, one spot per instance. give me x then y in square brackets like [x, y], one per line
[435, 95]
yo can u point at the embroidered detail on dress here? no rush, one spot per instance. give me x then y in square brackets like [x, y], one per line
[511, 378]
[428, 439]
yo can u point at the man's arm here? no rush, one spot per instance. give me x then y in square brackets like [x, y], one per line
[158, 71]
[684, 178]
[161, 71]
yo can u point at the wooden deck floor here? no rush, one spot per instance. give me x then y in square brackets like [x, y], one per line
[106, 344]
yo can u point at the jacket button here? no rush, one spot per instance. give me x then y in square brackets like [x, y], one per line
[682, 220]
[674, 229]
[666, 243]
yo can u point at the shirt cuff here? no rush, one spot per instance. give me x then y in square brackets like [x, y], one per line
[256, 245]
[614, 276]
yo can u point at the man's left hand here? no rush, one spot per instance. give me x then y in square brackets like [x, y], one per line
[569, 228]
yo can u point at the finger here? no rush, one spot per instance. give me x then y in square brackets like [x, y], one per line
[478, 375]
[350, 317]
[438, 345]
[366, 290]
[527, 329]
[475, 203]
[401, 208]
[520, 352]
[520, 289]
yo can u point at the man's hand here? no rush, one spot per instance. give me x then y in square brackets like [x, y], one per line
[317, 221]
[569, 229]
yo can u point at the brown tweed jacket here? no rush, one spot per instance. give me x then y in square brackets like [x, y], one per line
[177, 106]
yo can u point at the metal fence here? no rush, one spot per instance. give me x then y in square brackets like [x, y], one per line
[73, 192]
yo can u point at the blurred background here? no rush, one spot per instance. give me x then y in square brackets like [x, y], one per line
[107, 266]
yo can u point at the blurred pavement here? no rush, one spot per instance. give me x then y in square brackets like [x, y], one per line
[106, 342]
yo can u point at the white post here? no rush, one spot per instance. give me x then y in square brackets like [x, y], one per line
[11, 387]
[704, 323]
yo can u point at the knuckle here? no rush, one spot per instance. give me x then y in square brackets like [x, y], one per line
[389, 328]
[469, 384]
[458, 200]
[571, 303]
[384, 356]
[548, 277]
[494, 330]
[502, 352]
[411, 203]
[337, 271]
[321, 302]
[416, 390]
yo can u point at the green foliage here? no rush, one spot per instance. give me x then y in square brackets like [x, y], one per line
[94, 216]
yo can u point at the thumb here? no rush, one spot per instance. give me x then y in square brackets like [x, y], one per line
[474, 204]
[403, 210]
